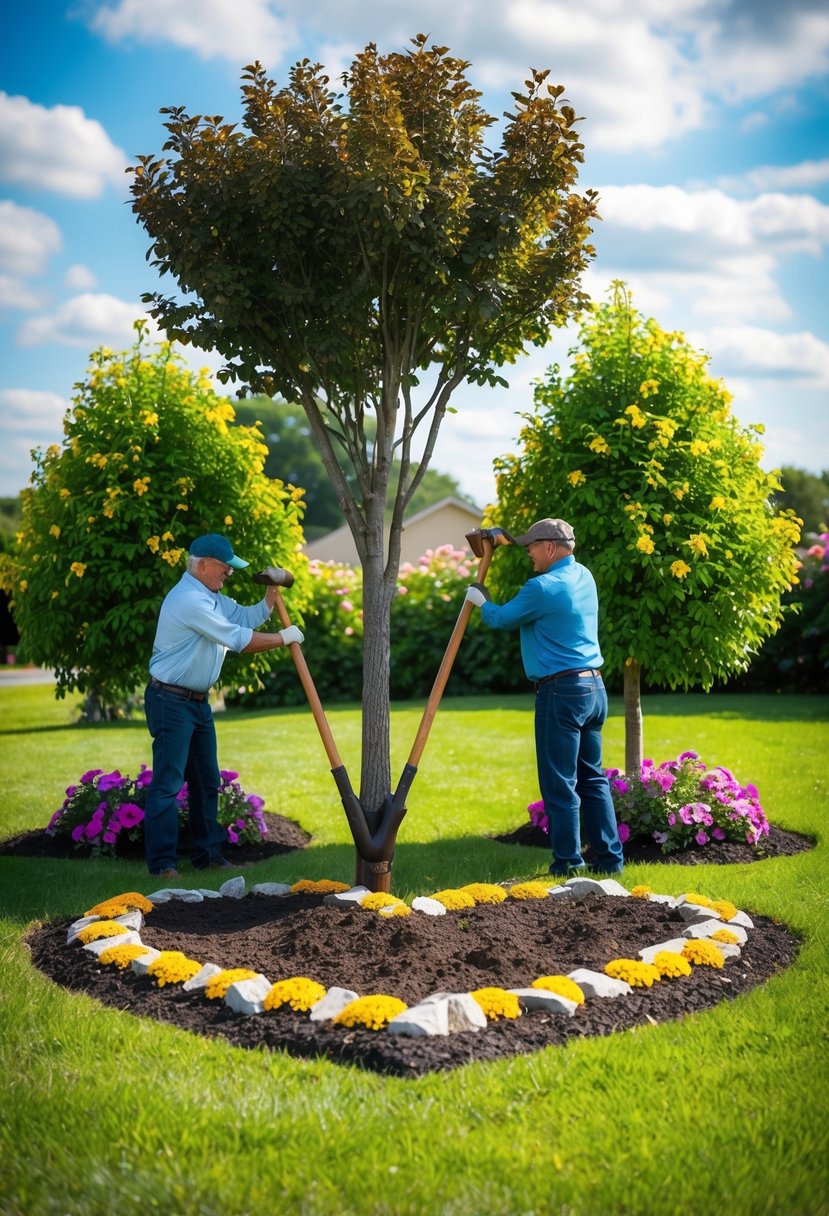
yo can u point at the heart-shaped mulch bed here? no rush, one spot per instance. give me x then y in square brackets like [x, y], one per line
[505, 945]
[779, 843]
[284, 836]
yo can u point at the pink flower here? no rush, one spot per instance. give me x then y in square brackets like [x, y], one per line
[144, 777]
[79, 832]
[701, 837]
[89, 777]
[110, 837]
[664, 779]
[255, 801]
[671, 819]
[232, 836]
[130, 815]
[620, 785]
[718, 834]
[624, 832]
[110, 781]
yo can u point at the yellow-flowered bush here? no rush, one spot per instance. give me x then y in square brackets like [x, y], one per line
[319, 886]
[454, 899]
[379, 899]
[702, 901]
[497, 1003]
[217, 986]
[562, 985]
[400, 909]
[117, 905]
[529, 890]
[703, 953]
[121, 956]
[299, 992]
[633, 972]
[101, 928]
[485, 892]
[671, 965]
[725, 936]
[642, 891]
[374, 1012]
[726, 909]
[172, 967]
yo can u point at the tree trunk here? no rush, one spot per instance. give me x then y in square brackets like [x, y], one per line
[633, 719]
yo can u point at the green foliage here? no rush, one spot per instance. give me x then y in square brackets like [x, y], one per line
[638, 449]
[424, 612]
[807, 495]
[148, 463]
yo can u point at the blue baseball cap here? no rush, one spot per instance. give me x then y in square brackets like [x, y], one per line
[219, 547]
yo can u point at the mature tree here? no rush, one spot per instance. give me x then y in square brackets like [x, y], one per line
[338, 256]
[807, 494]
[148, 462]
[294, 457]
[638, 449]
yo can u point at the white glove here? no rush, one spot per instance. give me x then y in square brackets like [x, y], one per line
[475, 596]
[292, 634]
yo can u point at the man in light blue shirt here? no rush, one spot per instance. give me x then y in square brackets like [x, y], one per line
[557, 615]
[197, 625]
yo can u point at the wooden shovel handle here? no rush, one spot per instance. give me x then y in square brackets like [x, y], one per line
[310, 690]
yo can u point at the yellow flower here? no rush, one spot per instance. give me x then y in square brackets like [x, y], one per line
[642, 891]
[55, 595]
[172, 556]
[644, 544]
[298, 992]
[453, 899]
[167, 536]
[529, 890]
[576, 478]
[65, 493]
[671, 965]
[121, 956]
[153, 543]
[704, 954]
[375, 1011]
[497, 1003]
[726, 936]
[637, 418]
[680, 569]
[702, 901]
[172, 967]
[717, 503]
[485, 892]
[599, 445]
[666, 519]
[379, 899]
[228, 520]
[140, 485]
[319, 886]
[726, 909]
[633, 972]
[23, 585]
[648, 387]
[130, 901]
[182, 506]
[217, 986]
[101, 928]
[150, 418]
[78, 568]
[562, 985]
[698, 544]
[54, 530]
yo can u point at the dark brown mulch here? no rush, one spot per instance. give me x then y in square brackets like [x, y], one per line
[284, 836]
[504, 945]
[778, 843]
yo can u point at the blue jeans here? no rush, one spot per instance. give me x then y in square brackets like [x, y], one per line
[184, 749]
[569, 715]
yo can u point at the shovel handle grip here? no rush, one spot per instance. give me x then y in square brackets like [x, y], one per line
[308, 685]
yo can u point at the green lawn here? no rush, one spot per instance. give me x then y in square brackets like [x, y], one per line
[724, 1112]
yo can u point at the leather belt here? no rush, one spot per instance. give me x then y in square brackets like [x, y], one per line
[188, 693]
[572, 671]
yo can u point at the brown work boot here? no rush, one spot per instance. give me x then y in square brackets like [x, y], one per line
[170, 872]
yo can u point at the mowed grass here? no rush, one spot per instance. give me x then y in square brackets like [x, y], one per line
[725, 1111]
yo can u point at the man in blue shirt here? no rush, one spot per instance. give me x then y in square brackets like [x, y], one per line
[557, 615]
[197, 625]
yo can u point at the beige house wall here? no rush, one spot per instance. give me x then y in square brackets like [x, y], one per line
[444, 523]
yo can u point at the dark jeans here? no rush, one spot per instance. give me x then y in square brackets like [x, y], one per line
[184, 749]
[569, 715]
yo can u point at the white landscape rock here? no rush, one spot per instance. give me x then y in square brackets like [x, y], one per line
[131, 920]
[597, 984]
[426, 1019]
[354, 895]
[429, 906]
[560, 892]
[585, 888]
[141, 965]
[209, 893]
[128, 938]
[234, 888]
[670, 900]
[742, 920]
[674, 946]
[727, 949]
[542, 998]
[462, 1010]
[696, 912]
[334, 1002]
[76, 926]
[247, 996]
[185, 894]
[199, 980]
[702, 928]
[271, 888]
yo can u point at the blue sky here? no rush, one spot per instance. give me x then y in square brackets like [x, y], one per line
[706, 136]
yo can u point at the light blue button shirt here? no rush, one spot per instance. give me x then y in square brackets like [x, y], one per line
[196, 628]
[558, 615]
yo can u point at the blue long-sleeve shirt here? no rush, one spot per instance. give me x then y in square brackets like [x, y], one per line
[557, 614]
[196, 628]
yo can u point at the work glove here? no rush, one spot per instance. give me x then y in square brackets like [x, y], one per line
[274, 576]
[477, 594]
[292, 634]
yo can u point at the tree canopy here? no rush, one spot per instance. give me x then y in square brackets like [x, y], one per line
[148, 463]
[639, 450]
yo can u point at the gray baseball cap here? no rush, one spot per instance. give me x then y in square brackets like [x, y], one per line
[546, 529]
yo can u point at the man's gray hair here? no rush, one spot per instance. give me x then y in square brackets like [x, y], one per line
[192, 563]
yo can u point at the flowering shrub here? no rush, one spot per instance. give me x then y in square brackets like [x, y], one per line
[453, 900]
[485, 892]
[497, 1003]
[298, 992]
[105, 810]
[633, 972]
[671, 965]
[117, 905]
[374, 1012]
[562, 985]
[172, 967]
[379, 899]
[101, 928]
[682, 802]
[529, 890]
[641, 891]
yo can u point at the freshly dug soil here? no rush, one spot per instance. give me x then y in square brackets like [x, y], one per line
[505, 945]
[284, 836]
[778, 843]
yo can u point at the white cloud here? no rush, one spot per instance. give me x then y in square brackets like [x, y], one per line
[756, 353]
[27, 239]
[79, 278]
[57, 149]
[15, 293]
[30, 411]
[242, 31]
[87, 320]
[801, 176]
[751, 48]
